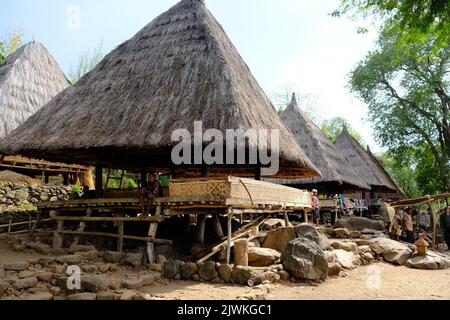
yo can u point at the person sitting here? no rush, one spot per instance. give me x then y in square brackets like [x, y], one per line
[149, 192]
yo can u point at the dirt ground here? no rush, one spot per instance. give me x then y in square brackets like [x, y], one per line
[376, 282]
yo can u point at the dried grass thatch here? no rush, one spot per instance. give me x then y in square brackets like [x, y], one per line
[337, 174]
[29, 78]
[365, 164]
[17, 178]
[180, 68]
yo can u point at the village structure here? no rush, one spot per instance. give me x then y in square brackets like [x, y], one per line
[67, 151]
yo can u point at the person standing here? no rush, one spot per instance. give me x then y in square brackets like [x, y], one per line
[408, 226]
[445, 225]
[316, 207]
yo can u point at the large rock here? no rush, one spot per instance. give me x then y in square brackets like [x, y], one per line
[224, 271]
[309, 231]
[25, 283]
[359, 224]
[241, 275]
[17, 266]
[134, 259]
[3, 287]
[279, 239]
[262, 257]
[347, 259]
[113, 257]
[70, 259]
[272, 224]
[341, 233]
[304, 259]
[171, 269]
[208, 271]
[392, 251]
[94, 283]
[187, 270]
[431, 261]
[347, 246]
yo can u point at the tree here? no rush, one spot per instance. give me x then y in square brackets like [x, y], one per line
[10, 43]
[407, 88]
[332, 129]
[86, 62]
[410, 20]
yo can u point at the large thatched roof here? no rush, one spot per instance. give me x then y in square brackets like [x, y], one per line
[337, 173]
[29, 78]
[180, 68]
[365, 164]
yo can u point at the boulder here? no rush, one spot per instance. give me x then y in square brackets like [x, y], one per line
[171, 269]
[355, 234]
[187, 270]
[40, 296]
[94, 283]
[431, 261]
[241, 275]
[347, 246]
[392, 251]
[69, 259]
[224, 271]
[85, 296]
[17, 266]
[132, 283]
[134, 259]
[3, 287]
[25, 283]
[341, 233]
[113, 256]
[273, 224]
[359, 224]
[304, 259]
[262, 257]
[279, 239]
[309, 231]
[347, 259]
[208, 271]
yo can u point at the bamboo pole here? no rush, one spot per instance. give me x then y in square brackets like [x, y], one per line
[229, 231]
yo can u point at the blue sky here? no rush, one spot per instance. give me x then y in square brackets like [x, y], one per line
[293, 43]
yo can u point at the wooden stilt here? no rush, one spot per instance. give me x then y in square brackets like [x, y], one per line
[241, 253]
[81, 227]
[38, 219]
[57, 235]
[229, 231]
[120, 236]
[152, 234]
[99, 181]
[9, 226]
[286, 219]
[306, 215]
[217, 226]
[434, 225]
[201, 222]
[30, 219]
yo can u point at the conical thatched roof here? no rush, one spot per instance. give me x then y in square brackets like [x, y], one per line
[366, 165]
[180, 68]
[337, 173]
[29, 78]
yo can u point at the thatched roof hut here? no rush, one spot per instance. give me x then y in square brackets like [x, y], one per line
[368, 167]
[29, 78]
[337, 174]
[179, 69]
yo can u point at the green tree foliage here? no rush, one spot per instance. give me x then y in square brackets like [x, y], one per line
[86, 62]
[403, 173]
[410, 20]
[407, 88]
[10, 43]
[332, 129]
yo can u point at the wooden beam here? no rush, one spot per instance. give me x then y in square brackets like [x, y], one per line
[120, 236]
[229, 230]
[115, 235]
[109, 219]
[99, 181]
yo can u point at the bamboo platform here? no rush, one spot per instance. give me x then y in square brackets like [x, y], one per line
[32, 165]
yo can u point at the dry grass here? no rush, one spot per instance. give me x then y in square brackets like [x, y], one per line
[180, 68]
[16, 178]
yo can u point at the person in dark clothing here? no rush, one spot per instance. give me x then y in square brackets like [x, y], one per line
[445, 225]
[149, 192]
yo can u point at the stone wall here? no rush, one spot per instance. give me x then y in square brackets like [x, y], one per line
[21, 197]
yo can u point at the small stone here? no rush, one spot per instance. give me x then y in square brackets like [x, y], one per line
[113, 257]
[106, 296]
[40, 296]
[127, 295]
[187, 270]
[26, 274]
[81, 248]
[69, 259]
[241, 275]
[46, 261]
[134, 259]
[90, 268]
[155, 267]
[134, 284]
[18, 266]
[171, 269]
[341, 233]
[347, 246]
[94, 283]
[55, 291]
[58, 269]
[195, 277]
[103, 268]
[2, 273]
[284, 275]
[88, 255]
[85, 296]
[161, 259]
[3, 287]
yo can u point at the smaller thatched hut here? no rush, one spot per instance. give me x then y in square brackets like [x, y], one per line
[368, 167]
[337, 174]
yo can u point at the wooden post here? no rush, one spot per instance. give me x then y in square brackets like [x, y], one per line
[99, 181]
[258, 174]
[217, 226]
[81, 227]
[66, 179]
[306, 211]
[241, 253]
[229, 231]
[201, 222]
[120, 236]
[9, 226]
[33, 229]
[433, 219]
[30, 219]
[144, 178]
[205, 171]
[57, 235]
[152, 234]
[286, 219]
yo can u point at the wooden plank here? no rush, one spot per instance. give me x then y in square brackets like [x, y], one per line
[81, 227]
[120, 236]
[152, 234]
[115, 235]
[57, 235]
[229, 231]
[109, 219]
